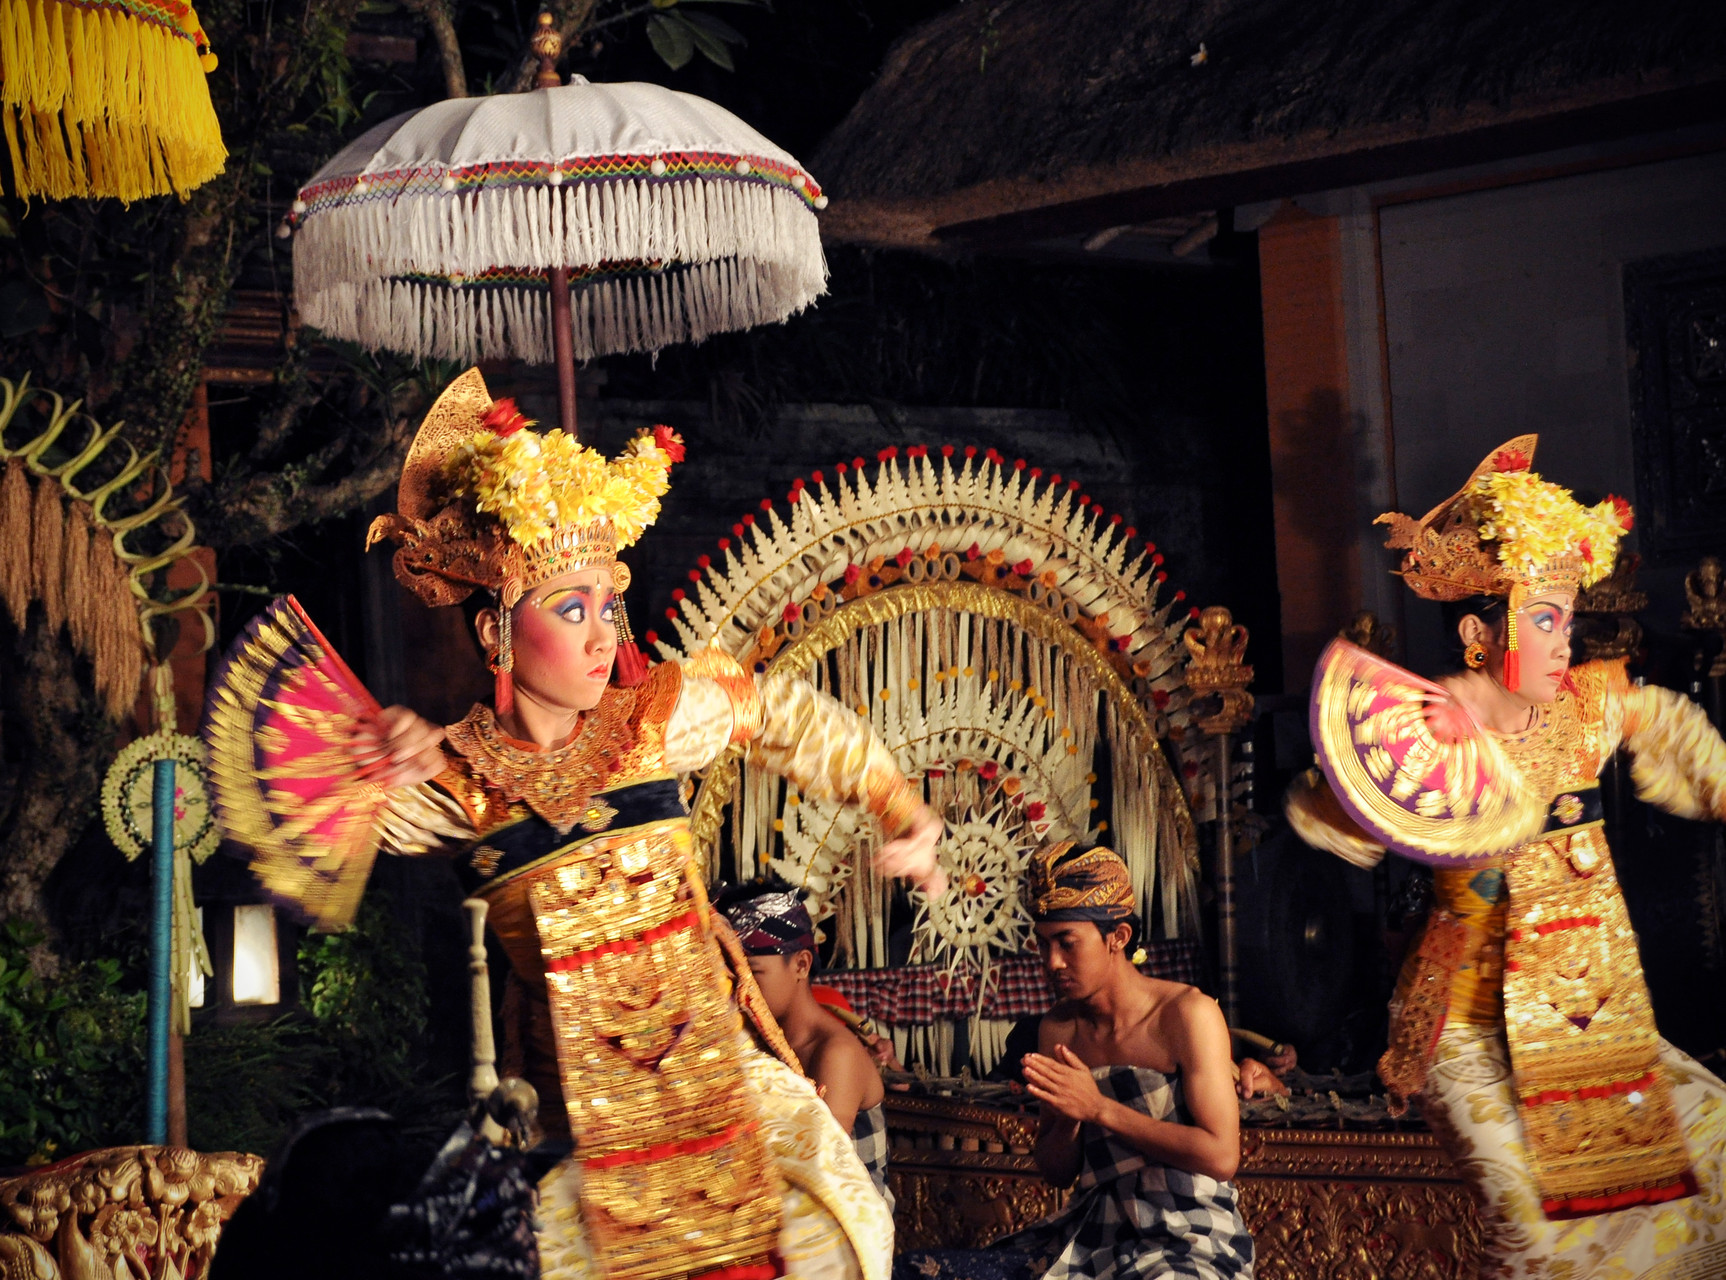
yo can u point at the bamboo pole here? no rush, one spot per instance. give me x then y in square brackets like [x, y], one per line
[160, 1008]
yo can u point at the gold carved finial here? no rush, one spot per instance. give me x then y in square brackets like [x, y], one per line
[1705, 593]
[1217, 667]
[1605, 626]
[547, 43]
[1365, 631]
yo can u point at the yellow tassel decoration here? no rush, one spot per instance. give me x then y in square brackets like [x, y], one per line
[107, 99]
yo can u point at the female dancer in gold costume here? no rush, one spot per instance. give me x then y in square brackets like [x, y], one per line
[697, 1153]
[1521, 1021]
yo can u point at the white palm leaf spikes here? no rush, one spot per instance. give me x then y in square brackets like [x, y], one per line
[1043, 533]
[990, 623]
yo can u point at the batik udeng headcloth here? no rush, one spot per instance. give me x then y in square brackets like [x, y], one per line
[772, 924]
[1067, 883]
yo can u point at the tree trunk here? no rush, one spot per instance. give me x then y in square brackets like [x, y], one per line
[57, 743]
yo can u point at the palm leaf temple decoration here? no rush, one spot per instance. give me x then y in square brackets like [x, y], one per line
[1015, 648]
[91, 531]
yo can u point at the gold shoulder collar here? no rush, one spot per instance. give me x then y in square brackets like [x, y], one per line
[556, 784]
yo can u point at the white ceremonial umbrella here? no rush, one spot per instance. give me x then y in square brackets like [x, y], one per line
[635, 215]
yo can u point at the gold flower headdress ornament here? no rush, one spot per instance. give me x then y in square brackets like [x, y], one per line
[1508, 533]
[487, 502]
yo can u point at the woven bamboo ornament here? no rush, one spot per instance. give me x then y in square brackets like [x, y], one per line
[1006, 640]
[87, 555]
[435, 233]
[107, 99]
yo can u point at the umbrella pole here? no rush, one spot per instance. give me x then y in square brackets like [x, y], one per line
[563, 349]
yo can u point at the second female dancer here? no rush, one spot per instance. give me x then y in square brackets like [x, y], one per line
[1521, 1023]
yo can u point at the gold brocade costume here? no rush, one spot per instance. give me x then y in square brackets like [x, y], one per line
[1534, 952]
[621, 990]
[697, 1154]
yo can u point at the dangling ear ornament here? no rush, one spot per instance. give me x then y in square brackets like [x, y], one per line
[1512, 653]
[502, 664]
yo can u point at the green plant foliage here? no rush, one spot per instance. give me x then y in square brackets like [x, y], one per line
[360, 1038]
[367, 996]
[245, 1084]
[71, 1055]
[72, 1051]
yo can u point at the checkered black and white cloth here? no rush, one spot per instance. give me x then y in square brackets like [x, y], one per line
[916, 995]
[1131, 1218]
[869, 1134]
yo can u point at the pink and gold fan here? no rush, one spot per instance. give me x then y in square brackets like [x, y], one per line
[1409, 763]
[282, 712]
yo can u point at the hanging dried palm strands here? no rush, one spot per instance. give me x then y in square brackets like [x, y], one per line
[64, 547]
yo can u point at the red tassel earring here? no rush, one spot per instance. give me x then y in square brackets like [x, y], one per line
[1512, 655]
[630, 667]
[502, 664]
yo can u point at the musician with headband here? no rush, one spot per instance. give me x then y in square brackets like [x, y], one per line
[775, 932]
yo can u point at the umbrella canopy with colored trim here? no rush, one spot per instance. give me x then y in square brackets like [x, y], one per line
[436, 233]
[107, 98]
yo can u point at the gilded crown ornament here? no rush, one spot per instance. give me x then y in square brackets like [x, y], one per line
[1217, 650]
[1508, 533]
[1705, 596]
[487, 503]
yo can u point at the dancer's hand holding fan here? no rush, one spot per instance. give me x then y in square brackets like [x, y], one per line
[301, 759]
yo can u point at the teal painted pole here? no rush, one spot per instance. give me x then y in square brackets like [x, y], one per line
[161, 952]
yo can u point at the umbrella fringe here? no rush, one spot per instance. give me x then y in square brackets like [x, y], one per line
[753, 255]
[99, 103]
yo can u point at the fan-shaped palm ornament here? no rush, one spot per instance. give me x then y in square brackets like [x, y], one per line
[569, 222]
[1006, 639]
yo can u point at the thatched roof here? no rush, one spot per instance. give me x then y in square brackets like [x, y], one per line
[998, 107]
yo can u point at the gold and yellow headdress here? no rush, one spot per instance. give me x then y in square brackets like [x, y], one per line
[486, 502]
[1508, 533]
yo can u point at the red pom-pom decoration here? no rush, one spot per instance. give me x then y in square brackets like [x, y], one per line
[1626, 517]
[503, 418]
[669, 442]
